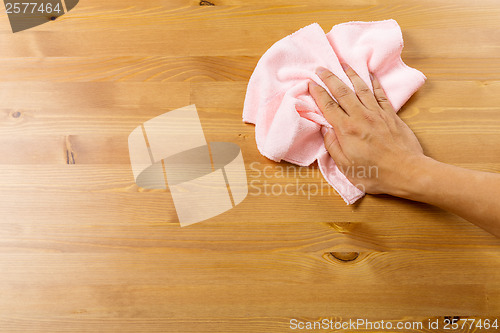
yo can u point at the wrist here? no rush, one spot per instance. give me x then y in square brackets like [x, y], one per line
[413, 176]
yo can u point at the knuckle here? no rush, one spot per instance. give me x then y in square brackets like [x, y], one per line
[330, 104]
[369, 117]
[364, 91]
[350, 129]
[330, 145]
[381, 96]
[328, 75]
[342, 91]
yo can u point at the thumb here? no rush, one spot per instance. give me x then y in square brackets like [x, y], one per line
[333, 146]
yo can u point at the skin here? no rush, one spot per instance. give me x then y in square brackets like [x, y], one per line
[368, 133]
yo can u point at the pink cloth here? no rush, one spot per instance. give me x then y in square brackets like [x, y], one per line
[287, 119]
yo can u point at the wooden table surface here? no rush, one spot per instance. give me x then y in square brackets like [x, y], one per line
[84, 249]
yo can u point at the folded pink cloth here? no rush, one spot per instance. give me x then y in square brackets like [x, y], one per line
[287, 119]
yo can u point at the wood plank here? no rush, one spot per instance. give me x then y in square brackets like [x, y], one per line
[238, 41]
[459, 135]
[191, 266]
[473, 150]
[204, 68]
[245, 34]
[433, 95]
[270, 300]
[222, 324]
[376, 223]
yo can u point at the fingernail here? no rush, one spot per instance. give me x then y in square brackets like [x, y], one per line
[345, 66]
[312, 85]
[323, 130]
[321, 70]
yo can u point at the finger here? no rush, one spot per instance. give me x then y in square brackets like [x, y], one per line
[363, 92]
[345, 97]
[331, 110]
[380, 95]
[333, 146]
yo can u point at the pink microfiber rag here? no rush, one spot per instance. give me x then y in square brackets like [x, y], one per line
[287, 119]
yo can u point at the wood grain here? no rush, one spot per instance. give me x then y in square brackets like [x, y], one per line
[84, 249]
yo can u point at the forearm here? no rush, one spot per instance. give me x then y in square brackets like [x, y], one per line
[473, 195]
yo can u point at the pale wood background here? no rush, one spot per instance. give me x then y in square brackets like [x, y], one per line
[83, 249]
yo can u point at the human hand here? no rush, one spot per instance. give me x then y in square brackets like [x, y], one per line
[370, 144]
